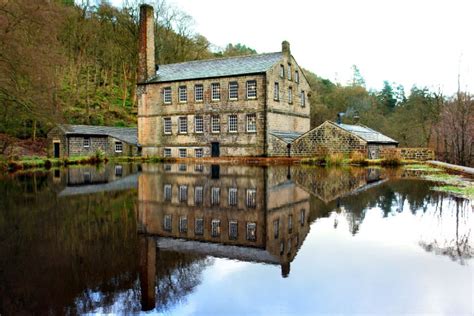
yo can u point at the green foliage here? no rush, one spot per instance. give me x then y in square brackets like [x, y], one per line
[235, 50]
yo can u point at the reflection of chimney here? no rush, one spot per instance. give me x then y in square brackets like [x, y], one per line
[146, 46]
[285, 269]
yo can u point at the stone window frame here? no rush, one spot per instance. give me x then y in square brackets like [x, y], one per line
[86, 142]
[289, 71]
[215, 228]
[276, 91]
[251, 198]
[215, 196]
[297, 76]
[233, 126]
[233, 230]
[167, 126]
[183, 193]
[233, 196]
[199, 226]
[290, 95]
[183, 94]
[182, 152]
[302, 99]
[198, 152]
[198, 124]
[251, 127]
[167, 152]
[167, 192]
[198, 93]
[183, 224]
[251, 88]
[251, 234]
[215, 91]
[282, 71]
[233, 91]
[118, 147]
[215, 122]
[198, 195]
[182, 125]
[167, 95]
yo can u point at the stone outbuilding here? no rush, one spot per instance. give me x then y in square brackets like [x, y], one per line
[86, 140]
[330, 137]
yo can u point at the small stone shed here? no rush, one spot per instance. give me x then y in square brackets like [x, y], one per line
[330, 137]
[86, 140]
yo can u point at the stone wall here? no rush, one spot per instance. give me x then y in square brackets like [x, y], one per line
[277, 147]
[421, 154]
[325, 139]
[56, 135]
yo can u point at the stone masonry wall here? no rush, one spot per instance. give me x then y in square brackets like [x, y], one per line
[325, 139]
[277, 147]
[56, 135]
[421, 154]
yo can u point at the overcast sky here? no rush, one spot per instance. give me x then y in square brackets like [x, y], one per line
[409, 42]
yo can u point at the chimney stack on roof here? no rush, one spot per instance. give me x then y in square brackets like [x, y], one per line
[285, 48]
[146, 49]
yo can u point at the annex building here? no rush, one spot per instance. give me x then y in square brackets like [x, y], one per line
[219, 107]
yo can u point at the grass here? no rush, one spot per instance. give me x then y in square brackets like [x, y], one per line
[462, 191]
[452, 184]
[419, 167]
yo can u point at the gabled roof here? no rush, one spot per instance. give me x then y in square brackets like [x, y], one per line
[219, 67]
[367, 134]
[126, 134]
[287, 137]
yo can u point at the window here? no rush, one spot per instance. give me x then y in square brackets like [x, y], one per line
[167, 95]
[167, 152]
[167, 167]
[215, 228]
[276, 228]
[215, 196]
[183, 193]
[167, 222]
[290, 95]
[276, 91]
[251, 231]
[290, 223]
[289, 245]
[297, 76]
[215, 91]
[289, 71]
[302, 211]
[87, 177]
[303, 99]
[183, 94]
[251, 198]
[198, 153]
[86, 142]
[232, 196]
[167, 125]
[282, 247]
[198, 124]
[183, 125]
[199, 226]
[233, 90]
[232, 123]
[215, 124]
[182, 153]
[183, 224]
[282, 71]
[198, 93]
[251, 89]
[251, 123]
[233, 230]
[167, 192]
[198, 195]
[118, 147]
[118, 170]
[182, 167]
[199, 168]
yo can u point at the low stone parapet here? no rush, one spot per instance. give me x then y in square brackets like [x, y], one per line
[421, 154]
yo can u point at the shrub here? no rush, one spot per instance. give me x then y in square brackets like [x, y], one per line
[391, 158]
[335, 159]
[359, 158]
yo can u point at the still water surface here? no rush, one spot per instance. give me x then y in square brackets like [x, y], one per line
[231, 240]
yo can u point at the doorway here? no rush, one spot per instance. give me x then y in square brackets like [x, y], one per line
[57, 152]
[215, 150]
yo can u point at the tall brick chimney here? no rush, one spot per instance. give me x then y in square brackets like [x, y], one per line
[285, 48]
[146, 49]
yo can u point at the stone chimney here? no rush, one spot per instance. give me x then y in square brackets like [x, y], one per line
[285, 48]
[146, 49]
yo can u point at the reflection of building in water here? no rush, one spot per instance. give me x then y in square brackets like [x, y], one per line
[92, 179]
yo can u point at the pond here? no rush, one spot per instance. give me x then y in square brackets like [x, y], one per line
[200, 239]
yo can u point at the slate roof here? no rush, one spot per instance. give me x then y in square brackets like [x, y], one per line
[287, 137]
[367, 134]
[126, 183]
[219, 67]
[126, 134]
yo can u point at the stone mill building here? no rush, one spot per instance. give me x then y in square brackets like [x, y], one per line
[219, 107]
